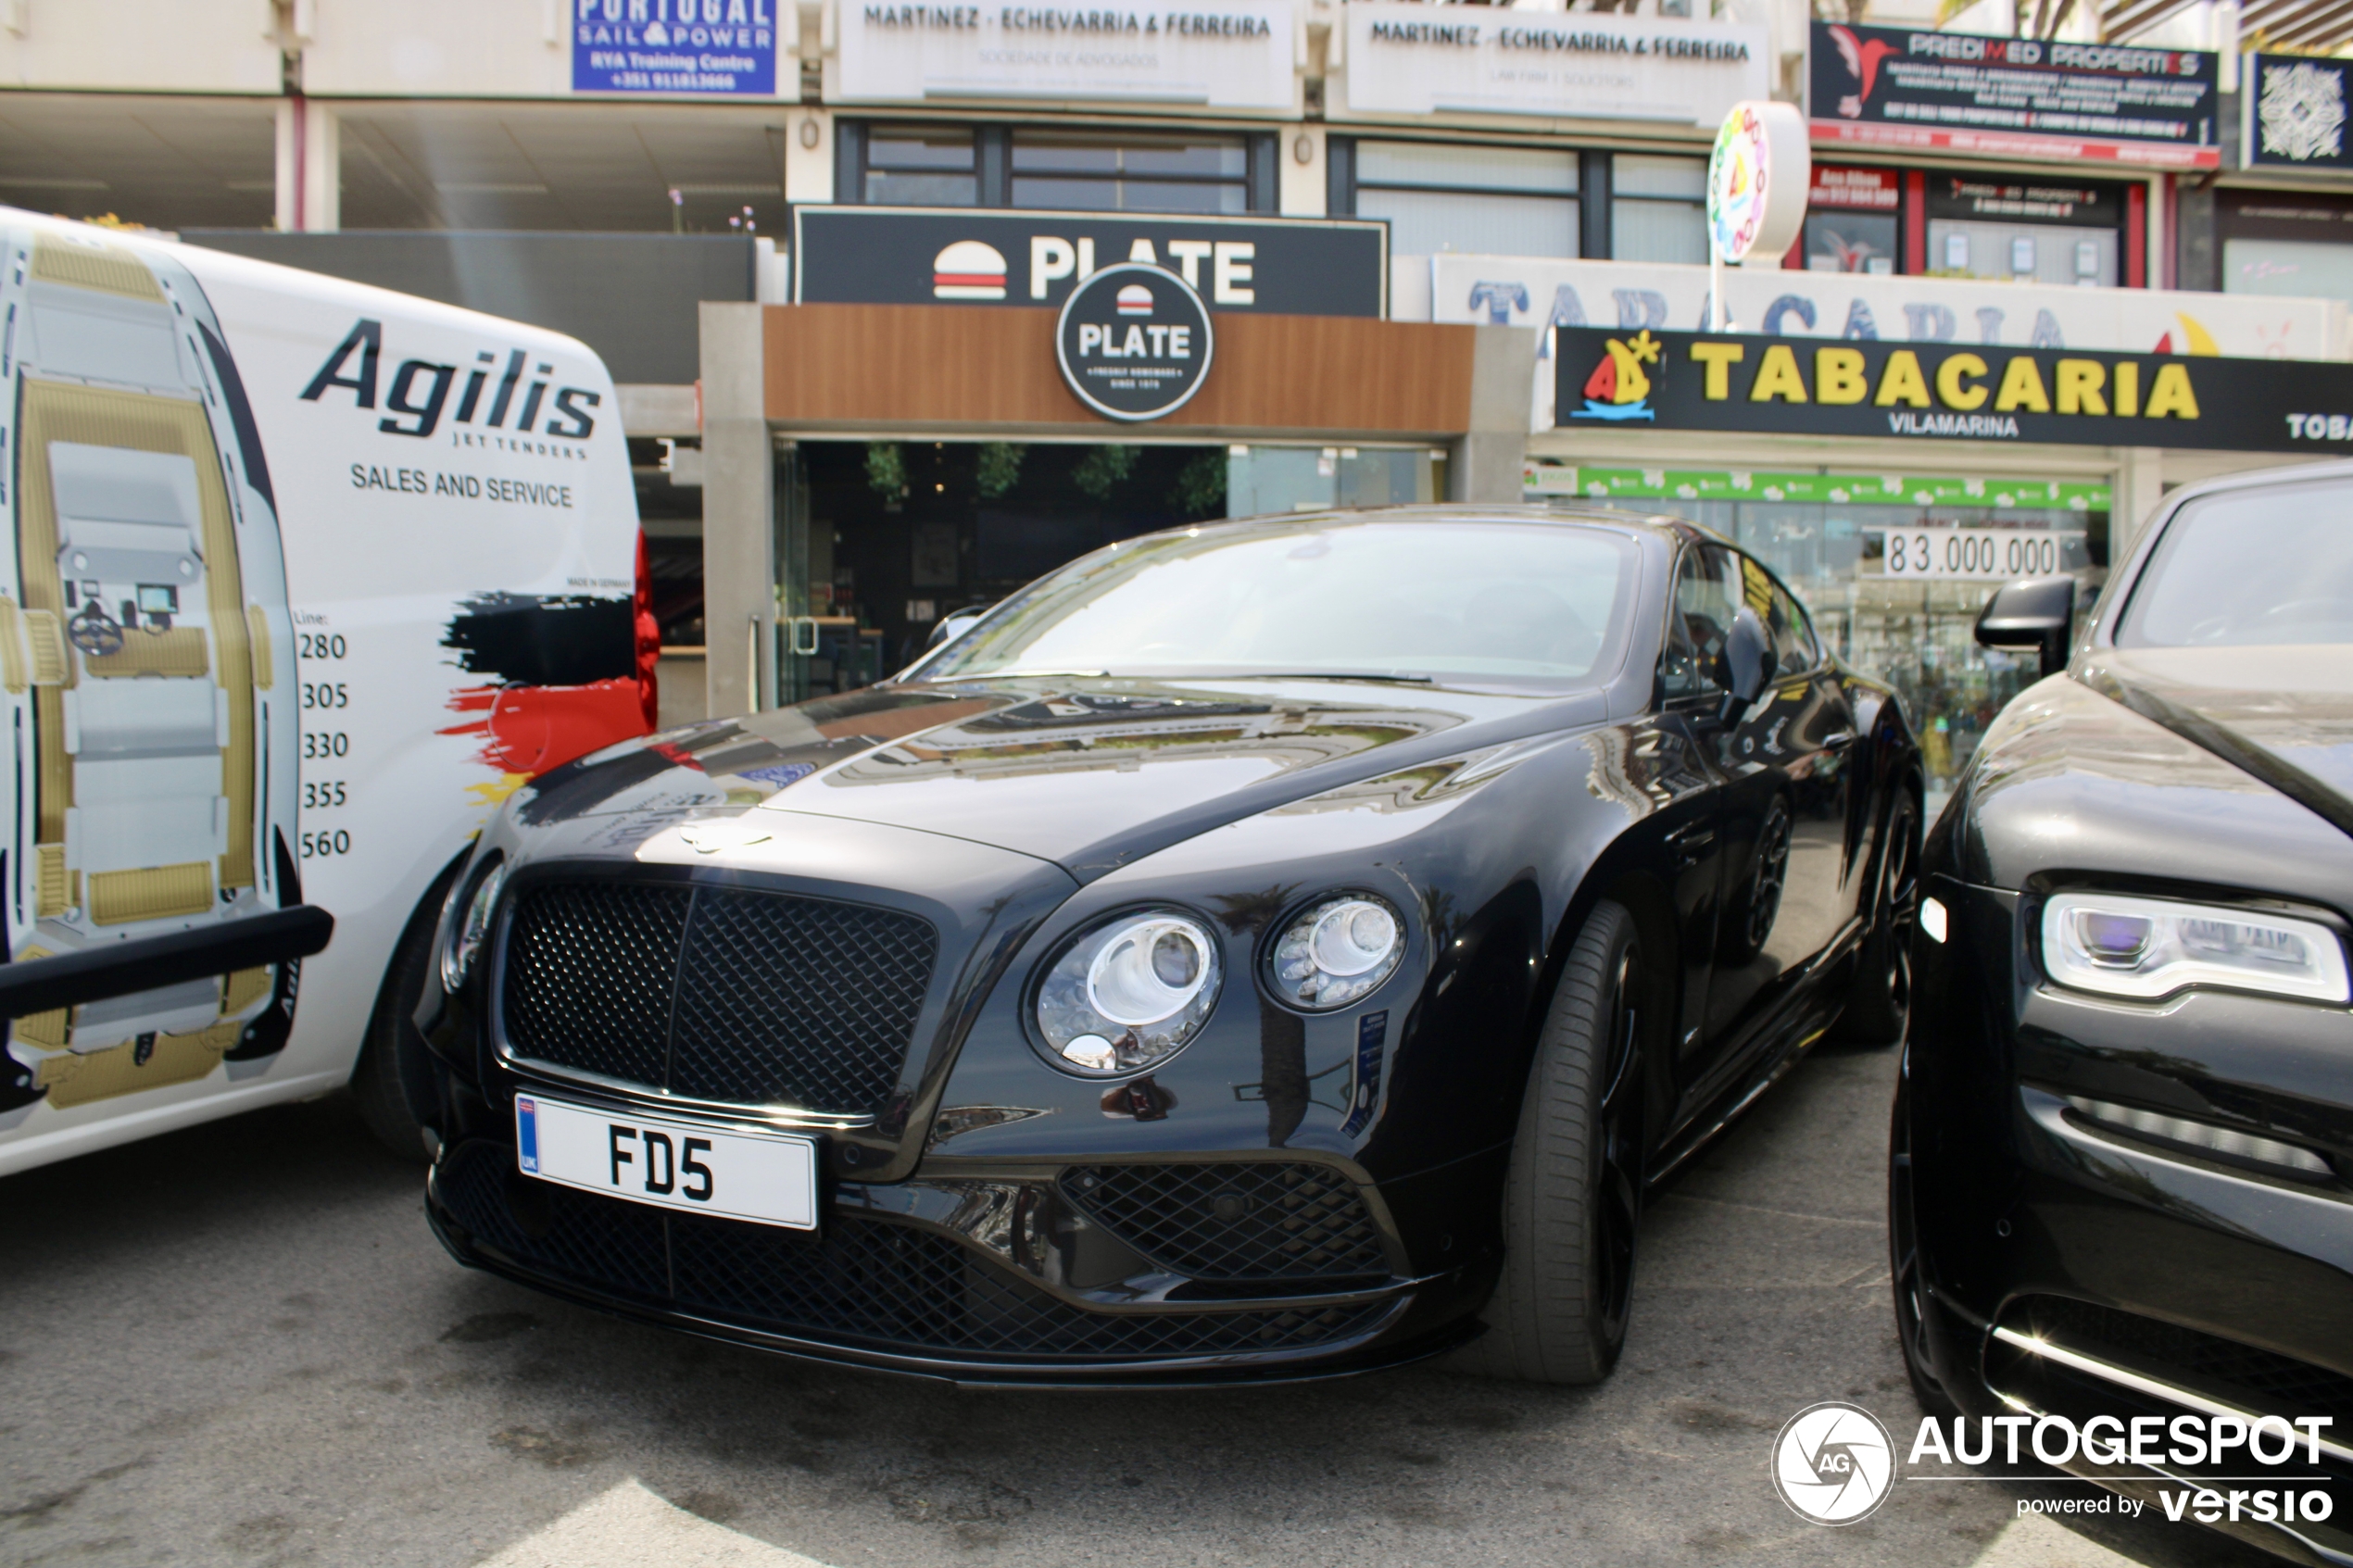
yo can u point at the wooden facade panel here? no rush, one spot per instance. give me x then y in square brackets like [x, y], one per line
[871, 366]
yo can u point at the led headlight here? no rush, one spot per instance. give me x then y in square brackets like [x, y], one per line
[1126, 994]
[1337, 950]
[2147, 947]
[470, 930]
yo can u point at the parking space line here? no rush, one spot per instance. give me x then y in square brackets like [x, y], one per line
[631, 1527]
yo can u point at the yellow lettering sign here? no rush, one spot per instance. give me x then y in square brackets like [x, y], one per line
[1952, 389]
[2169, 394]
[1901, 382]
[1778, 376]
[2022, 388]
[2128, 389]
[1718, 357]
[2080, 382]
[1838, 376]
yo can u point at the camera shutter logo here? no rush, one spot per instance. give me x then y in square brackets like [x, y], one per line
[1134, 341]
[1833, 1463]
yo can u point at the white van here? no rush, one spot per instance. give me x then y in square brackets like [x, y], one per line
[307, 578]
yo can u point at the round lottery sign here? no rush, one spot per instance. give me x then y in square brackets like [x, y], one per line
[1756, 180]
[1134, 341]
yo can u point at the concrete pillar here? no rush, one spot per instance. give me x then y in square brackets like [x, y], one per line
[1487, 460]
[738, 512]
[1305, 181]
[310, 172]
[2140, 485]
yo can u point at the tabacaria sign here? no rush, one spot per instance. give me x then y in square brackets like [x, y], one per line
[927, 255]
[1409, 58]
[1134, 341]
[1230, 54]
[1734, 381]
[2021, 97]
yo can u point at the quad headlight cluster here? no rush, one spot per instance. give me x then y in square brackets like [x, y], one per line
[1337, 951]
[2150, 948]
[1130, 993]
[470, 929]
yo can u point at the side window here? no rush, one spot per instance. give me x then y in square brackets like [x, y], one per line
[1708, 596]
[1792, 635]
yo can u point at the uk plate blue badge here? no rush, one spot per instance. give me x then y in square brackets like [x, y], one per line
[526, 1132]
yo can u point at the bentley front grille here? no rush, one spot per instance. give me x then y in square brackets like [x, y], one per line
[1274, 1221]
[718, 995]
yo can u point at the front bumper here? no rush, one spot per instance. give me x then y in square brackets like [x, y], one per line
[2077, 1267]
[996, 1275]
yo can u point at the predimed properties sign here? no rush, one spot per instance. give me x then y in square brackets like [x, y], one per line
[724, 47]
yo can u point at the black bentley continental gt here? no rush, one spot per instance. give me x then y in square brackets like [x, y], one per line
[2121, 1184]
[1257, 951]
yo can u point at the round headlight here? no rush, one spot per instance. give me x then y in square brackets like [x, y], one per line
[1337, 950]
[472, 929]
[1125, 996]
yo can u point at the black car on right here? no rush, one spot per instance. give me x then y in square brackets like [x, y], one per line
[2120, 1172]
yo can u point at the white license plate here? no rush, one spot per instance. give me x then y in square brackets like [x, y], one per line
[769, 1178]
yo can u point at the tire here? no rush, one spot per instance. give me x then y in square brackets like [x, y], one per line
[1904, 1267]
[1878, 1004]
[385, 1083]
[1573, 1198]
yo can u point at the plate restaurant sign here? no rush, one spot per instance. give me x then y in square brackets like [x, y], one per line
[1798, 386]
[1134, 341]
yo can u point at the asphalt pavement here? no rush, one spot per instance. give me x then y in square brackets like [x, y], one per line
[238, 1345]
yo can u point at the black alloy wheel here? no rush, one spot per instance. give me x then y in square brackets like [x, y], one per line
[1912, 1305]
[1878, 1006]
[1759, 904]
[1573, 1200]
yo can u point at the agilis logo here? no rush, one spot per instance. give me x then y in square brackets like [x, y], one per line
[968, 270]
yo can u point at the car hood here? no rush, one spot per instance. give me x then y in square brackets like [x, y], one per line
[2284, 714]
[1088, 773]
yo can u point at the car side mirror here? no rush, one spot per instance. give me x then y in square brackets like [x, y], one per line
[2036, 612]
[1748, 659]
[955, 625]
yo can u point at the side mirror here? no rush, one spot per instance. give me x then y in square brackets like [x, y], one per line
[2037, 612]
[1748, 659]
[954, 625]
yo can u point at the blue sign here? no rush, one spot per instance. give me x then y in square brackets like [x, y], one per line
[709, 46]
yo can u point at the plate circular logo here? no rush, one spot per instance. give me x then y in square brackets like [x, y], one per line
[1134, 341]
[1833, 1463]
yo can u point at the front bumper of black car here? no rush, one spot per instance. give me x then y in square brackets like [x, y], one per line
[2077, 1264]
[1010, 1274]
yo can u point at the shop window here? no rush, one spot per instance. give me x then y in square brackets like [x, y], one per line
[919, 166]
[2066, 235]
[1658, 208]
[1130, 171]
[2296, 244]
[1851, 220]
[1497, 201]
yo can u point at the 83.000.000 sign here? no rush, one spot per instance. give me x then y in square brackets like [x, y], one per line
[1995, 553]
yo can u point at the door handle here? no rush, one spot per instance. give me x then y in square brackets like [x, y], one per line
[1838, 740]
[1690, 842]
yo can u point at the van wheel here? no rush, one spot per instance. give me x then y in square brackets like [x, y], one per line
[389, 1082]
[1880, 1005]
[1574, 1194]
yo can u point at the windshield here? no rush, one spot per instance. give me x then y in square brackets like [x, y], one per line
[2273, 565]
[1400, 600]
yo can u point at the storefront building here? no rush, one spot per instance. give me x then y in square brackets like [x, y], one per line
[1391, 213]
